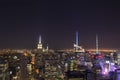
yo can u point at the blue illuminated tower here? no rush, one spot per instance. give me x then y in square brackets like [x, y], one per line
[77, 38]
[77, 48]
[76, 42]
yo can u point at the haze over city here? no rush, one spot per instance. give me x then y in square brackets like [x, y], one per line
[22, 22]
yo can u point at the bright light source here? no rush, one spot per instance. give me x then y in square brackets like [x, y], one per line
[18, 67]
[106, 71]
[10, 72]
[112, 63]
[107, 61]
[15, 57]
[14, 77]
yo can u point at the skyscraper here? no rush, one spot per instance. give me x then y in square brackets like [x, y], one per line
[40, 43]
[97, 51]
[76, 45]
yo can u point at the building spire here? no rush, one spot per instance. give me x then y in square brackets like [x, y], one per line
[77, 48]
[40, 43]
[40, 39]
[97, 51]
[77, 38]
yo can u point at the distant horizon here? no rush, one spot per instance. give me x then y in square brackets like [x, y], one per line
[61, 47]
[64, 48]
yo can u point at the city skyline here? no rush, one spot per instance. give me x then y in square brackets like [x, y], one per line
[23, 21]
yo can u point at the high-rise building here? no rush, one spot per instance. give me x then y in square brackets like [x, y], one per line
[97, 50]
[76, 45]
[40, 43]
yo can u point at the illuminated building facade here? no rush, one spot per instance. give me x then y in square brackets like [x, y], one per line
[118, 58]
[40, 43]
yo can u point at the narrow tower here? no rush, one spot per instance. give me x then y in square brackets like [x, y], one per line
[77, 38]
[78, 48]
[40, 39]
[40, 43]
[97, 51]
[76, 42]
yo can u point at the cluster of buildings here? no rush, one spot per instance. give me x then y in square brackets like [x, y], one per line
[41, 62]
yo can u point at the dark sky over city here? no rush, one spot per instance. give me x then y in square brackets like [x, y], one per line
[21, 23]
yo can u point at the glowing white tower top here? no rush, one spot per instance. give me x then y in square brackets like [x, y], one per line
[97, 50]
[40, 39]
[40, 43]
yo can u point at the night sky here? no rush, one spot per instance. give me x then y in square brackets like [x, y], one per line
[21, 23]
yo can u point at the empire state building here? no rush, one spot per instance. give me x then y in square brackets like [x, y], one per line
[40, 43]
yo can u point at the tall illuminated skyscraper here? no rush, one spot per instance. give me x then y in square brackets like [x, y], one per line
[76, 45]
[40, 43]
[97, 50]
